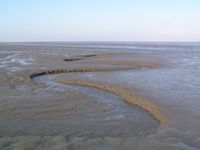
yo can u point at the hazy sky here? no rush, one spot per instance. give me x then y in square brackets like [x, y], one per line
[99, 20]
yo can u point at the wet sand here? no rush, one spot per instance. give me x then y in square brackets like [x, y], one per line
[49, 99]
[30, 108]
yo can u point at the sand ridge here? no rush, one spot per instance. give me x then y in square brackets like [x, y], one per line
[124, 93]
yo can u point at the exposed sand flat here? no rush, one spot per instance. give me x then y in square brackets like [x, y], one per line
[15, 109]
[33, 112]
[127, 63]
[125, 94]
[90, 109]
[33, 143]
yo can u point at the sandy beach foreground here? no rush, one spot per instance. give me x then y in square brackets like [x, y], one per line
[53, 98]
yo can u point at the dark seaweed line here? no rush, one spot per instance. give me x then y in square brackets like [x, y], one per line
[155, 113]
[57, 71]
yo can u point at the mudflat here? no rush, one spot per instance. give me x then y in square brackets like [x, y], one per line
[57, 96]
[45, 99]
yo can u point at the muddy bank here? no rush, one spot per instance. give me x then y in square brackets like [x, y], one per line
[124, 93]
[35, 106]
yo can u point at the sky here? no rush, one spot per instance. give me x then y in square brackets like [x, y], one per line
[99, 20]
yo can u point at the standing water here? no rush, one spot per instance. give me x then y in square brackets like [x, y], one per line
[174, 85]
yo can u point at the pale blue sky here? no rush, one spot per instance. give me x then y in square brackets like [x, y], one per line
[102, 20]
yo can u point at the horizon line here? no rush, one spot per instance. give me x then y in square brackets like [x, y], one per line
[90, 41]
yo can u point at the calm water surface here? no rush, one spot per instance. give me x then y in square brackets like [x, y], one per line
[175, 86]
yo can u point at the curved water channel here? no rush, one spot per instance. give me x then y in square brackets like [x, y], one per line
[120, 112]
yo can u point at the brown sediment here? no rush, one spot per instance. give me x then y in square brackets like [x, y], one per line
[126, 63]
[124, 93]
[56, 71]
[83, 57]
